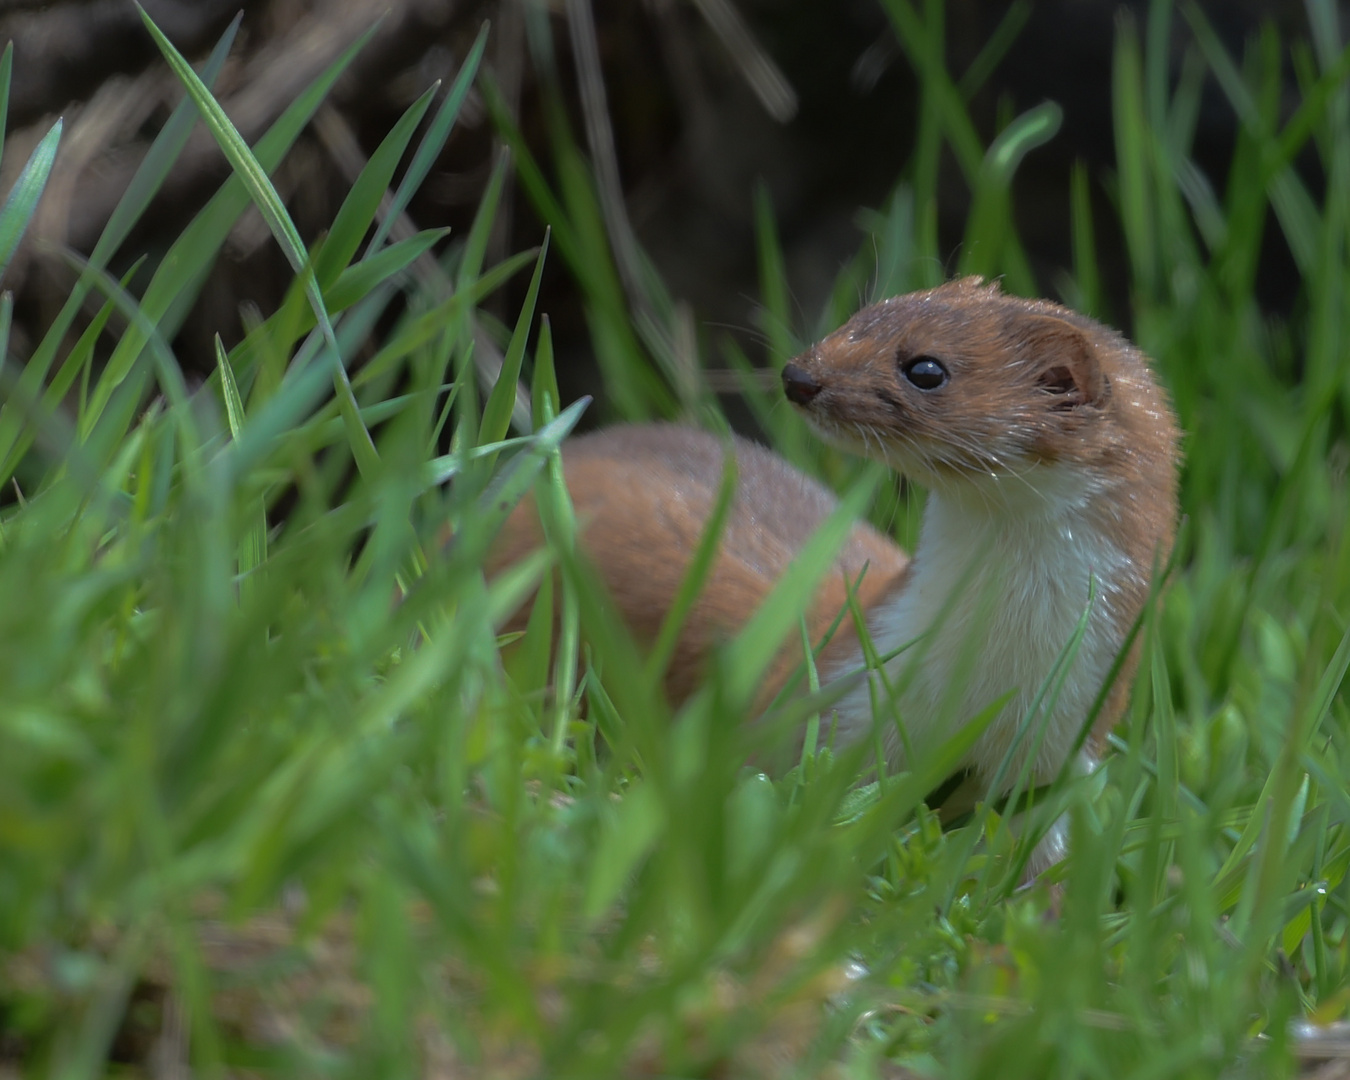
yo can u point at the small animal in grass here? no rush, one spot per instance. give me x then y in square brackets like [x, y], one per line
[1049, 453]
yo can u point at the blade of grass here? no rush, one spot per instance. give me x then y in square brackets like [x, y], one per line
[358, 209]
[544, 396]
[23, 197]
[922, 41]
[6, 68]
[428, 326]
[579, 233]
[558, 521]
[6, 321]
[184, 267]
[248, 168]
[170, 375]
[358, 280]
[511, 484]
[1133, 160]
[253, 547]
[432, 143]
[1087, 276]
[993, 51]
[471, 262]
[775, 319]
[502, 400]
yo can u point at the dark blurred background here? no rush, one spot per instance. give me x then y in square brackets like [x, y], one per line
[706, 98]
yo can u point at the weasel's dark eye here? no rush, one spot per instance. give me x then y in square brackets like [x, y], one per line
[925, 372]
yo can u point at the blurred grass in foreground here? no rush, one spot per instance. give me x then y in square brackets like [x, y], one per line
[255, 815]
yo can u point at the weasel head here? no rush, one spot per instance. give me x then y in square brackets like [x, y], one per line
[965, 388]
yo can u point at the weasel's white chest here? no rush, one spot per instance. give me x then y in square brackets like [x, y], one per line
[992, 606]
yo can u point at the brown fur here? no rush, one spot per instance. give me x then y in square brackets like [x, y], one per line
[643, 495]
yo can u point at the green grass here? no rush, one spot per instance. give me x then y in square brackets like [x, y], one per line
[248, 798]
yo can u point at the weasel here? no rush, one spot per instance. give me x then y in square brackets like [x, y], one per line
[1049, 454]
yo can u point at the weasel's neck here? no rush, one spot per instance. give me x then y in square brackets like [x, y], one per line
[996, 592]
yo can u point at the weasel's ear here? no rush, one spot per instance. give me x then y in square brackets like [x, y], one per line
[1065, 363]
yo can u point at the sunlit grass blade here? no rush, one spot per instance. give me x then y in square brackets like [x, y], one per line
[22, 200]
[254, 176]
[245, 165]
[1165, 797]
[558, 519]
[79, 361]
[267, 426]
[545, 399]
[253, 547]
[257, 707]
[182, 270]
[922, 41]
[367, 287]
[447, 466]
[234, 404]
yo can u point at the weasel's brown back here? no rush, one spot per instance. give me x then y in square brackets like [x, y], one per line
[643, 495]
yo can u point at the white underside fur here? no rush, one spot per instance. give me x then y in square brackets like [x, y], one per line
[997, 589]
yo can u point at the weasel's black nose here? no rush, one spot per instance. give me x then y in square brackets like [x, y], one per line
[798, 385]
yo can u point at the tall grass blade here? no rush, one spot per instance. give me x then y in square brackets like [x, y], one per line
[363, 200]
[254, 176]
[6, 321]
[183, 269]
[429, 149]
[6, 69]
[22, 200]
[501, 402]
